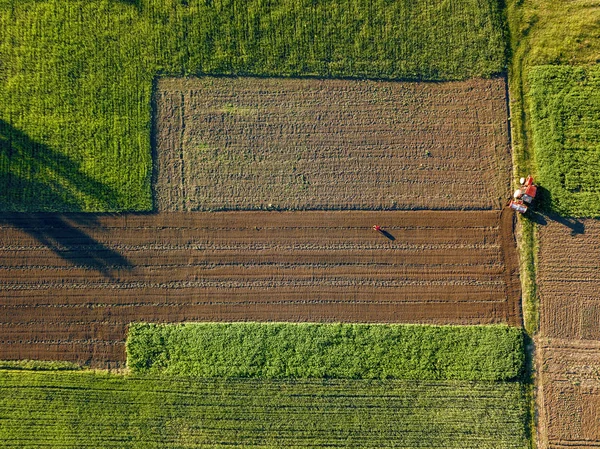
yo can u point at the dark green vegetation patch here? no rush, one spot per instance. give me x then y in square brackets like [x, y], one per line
[351, 351]
[76, 76]
[86, 409]
[565, 118]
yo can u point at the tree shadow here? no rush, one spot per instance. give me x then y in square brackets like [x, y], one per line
[545, 214]
[34, 177]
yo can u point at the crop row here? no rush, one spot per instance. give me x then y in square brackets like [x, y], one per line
[87, 409]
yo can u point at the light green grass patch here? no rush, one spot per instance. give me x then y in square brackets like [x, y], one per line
[38, 365]
[565, 113]
[91, 409]
[351, 351]
[76, 76]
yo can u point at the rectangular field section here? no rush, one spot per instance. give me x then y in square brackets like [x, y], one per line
[87, 409]
[569, 393]
[254, 143]
[569, 279]
[69, 285]
[569, 350]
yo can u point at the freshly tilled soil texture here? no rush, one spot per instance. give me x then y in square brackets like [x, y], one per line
[253, 143]
[568, 350]
[70, 284]
[569, 278]
[569, 393]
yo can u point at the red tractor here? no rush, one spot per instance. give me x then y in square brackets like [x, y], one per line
[524, 196]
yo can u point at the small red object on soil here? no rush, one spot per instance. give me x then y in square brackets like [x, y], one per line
[377, 228]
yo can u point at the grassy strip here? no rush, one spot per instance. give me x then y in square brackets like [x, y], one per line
[87, 409]
[565, 112]
[38, 365]
[350, 351]
[76, 76]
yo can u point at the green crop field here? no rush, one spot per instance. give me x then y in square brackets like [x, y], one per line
[76, 76]
[565, 113]
[354, 351]
[86, 409]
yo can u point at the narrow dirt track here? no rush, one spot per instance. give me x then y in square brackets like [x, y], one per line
[70, 284]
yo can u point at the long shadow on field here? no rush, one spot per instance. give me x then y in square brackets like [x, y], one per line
[544, 214]
[62, 234]
[34, 177]
[542, 218]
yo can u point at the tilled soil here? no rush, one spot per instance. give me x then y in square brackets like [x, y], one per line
[70, 284]
[569, 393]
[569, 279]
[252, 143]
[568, 351]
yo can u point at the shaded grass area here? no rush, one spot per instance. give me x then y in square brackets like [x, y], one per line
[565, 117]
[76, 76]
[91, 409]
[351, 351]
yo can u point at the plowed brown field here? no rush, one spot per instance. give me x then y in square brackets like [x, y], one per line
[69, 285]
[569, 348]
[570, 393]
[569, 280]
[248, 143]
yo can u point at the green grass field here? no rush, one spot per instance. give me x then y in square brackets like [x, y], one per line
[544, 32]
[97, 410]
[76, 76]
[565, 113]
[351, 351]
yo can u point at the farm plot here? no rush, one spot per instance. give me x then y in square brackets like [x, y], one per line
[569, 279]
[565, 111]
[569, 347]
[70, 284]
[327, 350]
[88, 409]
[248, 143]
[569, 393]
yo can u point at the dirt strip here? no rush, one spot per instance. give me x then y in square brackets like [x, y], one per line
[70, 284]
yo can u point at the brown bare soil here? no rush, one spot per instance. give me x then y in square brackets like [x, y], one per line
[248, 143]
[570, 393]
[70, 284]
[568, 357]
[569, 280]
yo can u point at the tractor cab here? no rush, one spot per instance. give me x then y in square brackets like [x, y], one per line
[524, 196]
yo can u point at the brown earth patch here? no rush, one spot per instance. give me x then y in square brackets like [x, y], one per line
[70, 284]
[568, 358]
[251, 143]
[570, 393]
[569, 280]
